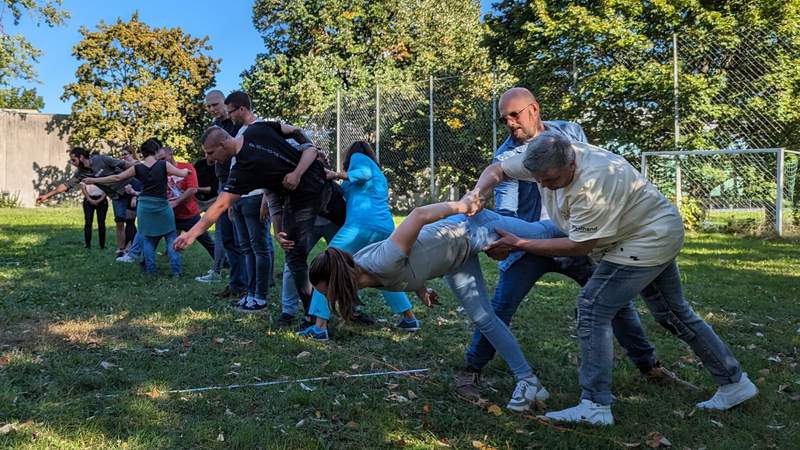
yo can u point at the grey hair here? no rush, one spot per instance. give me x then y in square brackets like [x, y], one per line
[215, 92]
[546, 151]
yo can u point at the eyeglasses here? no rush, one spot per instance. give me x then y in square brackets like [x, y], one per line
[513, 115]
[231, 111]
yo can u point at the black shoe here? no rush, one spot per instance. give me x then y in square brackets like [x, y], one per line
[305, 322]
[285, 321]
[362, 318]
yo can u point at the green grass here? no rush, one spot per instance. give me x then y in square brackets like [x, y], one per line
[65, 310]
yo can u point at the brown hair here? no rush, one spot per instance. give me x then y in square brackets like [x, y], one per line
[362, 147]
[338, 270]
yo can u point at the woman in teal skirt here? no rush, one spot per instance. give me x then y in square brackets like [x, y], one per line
[153, 211]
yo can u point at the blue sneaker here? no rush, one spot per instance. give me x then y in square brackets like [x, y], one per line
[318, 334]
[409, 325]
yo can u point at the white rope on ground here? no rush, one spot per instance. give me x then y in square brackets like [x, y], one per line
[298, 381]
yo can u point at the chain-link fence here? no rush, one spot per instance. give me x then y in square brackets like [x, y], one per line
[434, 137]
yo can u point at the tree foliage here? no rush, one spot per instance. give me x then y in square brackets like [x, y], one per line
[608, 65]
[18, 55]
[313, 48]
[137, 82]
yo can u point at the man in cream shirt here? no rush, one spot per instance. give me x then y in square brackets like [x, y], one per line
[609, 211]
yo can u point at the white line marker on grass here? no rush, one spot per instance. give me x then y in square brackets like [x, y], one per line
[299, 381]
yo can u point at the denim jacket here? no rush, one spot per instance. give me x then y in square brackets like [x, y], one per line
[521, 199]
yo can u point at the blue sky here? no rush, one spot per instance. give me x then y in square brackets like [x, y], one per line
[228, 25]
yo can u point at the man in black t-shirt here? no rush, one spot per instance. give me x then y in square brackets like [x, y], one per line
[265, 160]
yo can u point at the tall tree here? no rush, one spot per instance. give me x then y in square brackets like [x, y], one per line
[313, 48]
[137, 82]
[18, 55]
[608, 65]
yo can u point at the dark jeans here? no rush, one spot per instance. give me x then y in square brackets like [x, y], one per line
[88, 217]
[226, 235]
[298, 224]
[255, 244]
[204, 239]
[609, 291]
[517, 280]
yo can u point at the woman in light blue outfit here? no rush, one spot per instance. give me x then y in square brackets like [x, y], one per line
[434, 241]
[368, 220]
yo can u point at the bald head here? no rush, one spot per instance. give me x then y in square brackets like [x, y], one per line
[519, 93]
[519, 111]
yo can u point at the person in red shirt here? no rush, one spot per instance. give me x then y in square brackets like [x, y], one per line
[180, 193]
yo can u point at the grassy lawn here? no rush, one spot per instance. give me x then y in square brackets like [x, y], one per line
[88, 347]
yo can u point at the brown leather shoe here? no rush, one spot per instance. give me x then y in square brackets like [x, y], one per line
[228, 292]
[665, 377]
[467, 385]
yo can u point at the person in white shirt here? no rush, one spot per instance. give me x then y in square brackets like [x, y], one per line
[609, 211]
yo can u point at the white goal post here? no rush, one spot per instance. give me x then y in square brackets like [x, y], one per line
[736, 180]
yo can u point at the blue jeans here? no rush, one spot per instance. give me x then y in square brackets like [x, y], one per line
[149, 244]
[469, 286]
[290, 300]
[519, 278]
[227, 239]
[135, 249]
[609, 290]
[351, 239]
[255, 244]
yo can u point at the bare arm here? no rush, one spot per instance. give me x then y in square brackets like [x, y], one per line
[544, 247]
[124, 175]
[489, 179]
[174, 171]
[219, 207]
[59, 189]
[292, 179]
[406, 233]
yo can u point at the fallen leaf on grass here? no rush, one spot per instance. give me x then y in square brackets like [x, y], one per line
[107, 365]
[355, 366]
[392, 386]
[494, 409]
[306, 388]
[481, 446]
[396, 398]
[303, 354]
[4, 361]
[186, 344]
[655, 440]
[352, 425]
[411, 394]
[154, 393]
[426, 408]
[221, 437]
[631, 444]
[716, 423]
[6, 429]
[763, 372]
[219, 340]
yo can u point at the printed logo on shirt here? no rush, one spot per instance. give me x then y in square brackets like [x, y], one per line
[583, 229]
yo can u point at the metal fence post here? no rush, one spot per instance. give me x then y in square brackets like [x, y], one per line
[494, 111]
[430, 136]
[644, 165]
[676, 119]
[338, 129]
[779, 194]
[378, 121]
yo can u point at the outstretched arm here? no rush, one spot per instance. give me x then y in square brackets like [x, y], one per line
[124, 175]
[174, 171]
[223, 202]
[406, 233]
[59, 189]
[489, 179]
[544, 247]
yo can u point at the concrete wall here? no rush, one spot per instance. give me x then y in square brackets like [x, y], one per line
[33, 154]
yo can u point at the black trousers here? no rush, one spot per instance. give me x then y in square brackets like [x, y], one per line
[89, 211]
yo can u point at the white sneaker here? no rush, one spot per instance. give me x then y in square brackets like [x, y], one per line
[210, 277]
[126, 258]
[730, 395]
[587, 411]
[525, 393]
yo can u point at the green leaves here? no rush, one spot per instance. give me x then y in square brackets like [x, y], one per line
[137, 82]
